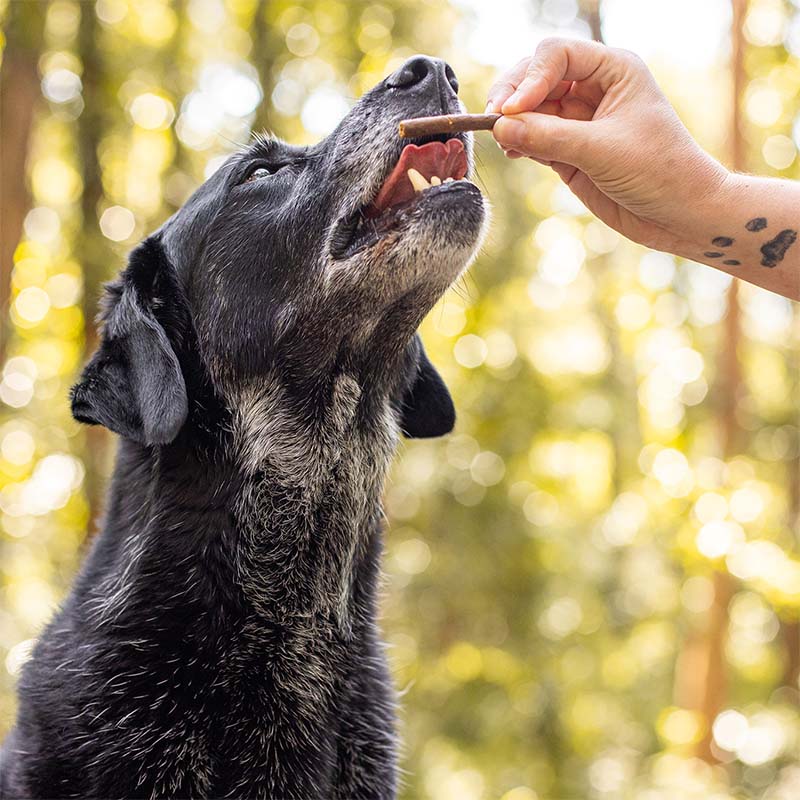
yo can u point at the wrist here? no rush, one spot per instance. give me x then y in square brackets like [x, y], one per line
[705, 215]
[716, 204]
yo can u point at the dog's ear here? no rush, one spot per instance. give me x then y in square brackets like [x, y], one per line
[427, 408]
[133, 384]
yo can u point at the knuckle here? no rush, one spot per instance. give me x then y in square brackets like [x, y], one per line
[546, 53]
[628, 58]
[550, 43]
[543, 64]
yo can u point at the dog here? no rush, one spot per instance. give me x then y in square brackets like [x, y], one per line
[259, 360]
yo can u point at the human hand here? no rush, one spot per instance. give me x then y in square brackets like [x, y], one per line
[596, 116]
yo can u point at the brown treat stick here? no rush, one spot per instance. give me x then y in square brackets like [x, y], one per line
[447, 123]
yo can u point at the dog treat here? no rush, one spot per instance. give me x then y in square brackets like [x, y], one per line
[447, 123]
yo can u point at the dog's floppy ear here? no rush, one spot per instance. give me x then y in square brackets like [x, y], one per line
[133, 384]
[427, 408]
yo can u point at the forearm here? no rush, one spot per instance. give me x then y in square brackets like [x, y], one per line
[749, 228]
[597, 116]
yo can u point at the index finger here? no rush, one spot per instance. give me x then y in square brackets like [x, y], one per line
[557, 60]
[506, 85]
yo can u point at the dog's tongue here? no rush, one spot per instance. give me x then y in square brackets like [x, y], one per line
[444, 159]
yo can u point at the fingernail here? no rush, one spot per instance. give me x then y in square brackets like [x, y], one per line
[489, 108]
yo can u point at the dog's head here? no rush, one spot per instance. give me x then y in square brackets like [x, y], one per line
[301, 262]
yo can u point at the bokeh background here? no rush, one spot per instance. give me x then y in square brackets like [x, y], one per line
[593, 585]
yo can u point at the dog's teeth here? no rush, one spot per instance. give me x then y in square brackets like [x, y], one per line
[418, 180]
[448, 180]
[436, 180]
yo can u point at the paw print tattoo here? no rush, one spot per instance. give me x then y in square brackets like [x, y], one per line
[772, 251]
[756, 225]
[722, 241]
[775, 249]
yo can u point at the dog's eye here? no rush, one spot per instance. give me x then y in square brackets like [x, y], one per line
[258, 173]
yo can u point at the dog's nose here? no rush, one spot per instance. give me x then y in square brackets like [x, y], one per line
[421, 72]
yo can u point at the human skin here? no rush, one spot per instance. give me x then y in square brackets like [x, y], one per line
[596, 115]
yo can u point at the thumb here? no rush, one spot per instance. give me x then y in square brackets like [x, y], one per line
[546, 137]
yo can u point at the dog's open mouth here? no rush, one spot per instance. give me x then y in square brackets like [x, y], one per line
[417, 169]
[422, 168]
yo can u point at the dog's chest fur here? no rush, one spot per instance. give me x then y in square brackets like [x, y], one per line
[231, 624]
[306, 517]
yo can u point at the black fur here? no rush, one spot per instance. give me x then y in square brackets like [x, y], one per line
[133, 385]
[221, 637]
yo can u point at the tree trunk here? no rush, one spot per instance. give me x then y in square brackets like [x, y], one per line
[90, 245]
[703, 682]
[19, 97]
[265, 45]
[790, 628]
[591, 12]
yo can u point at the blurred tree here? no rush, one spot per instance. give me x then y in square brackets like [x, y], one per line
[98, 261]
[19, 97]
[703, 684]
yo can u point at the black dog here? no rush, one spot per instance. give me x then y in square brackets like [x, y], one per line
[259, 358]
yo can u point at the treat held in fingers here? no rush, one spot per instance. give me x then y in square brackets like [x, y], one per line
[446, 123]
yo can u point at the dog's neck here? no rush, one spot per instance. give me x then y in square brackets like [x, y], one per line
[284, 520]
[311, 494]
[298, 447]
